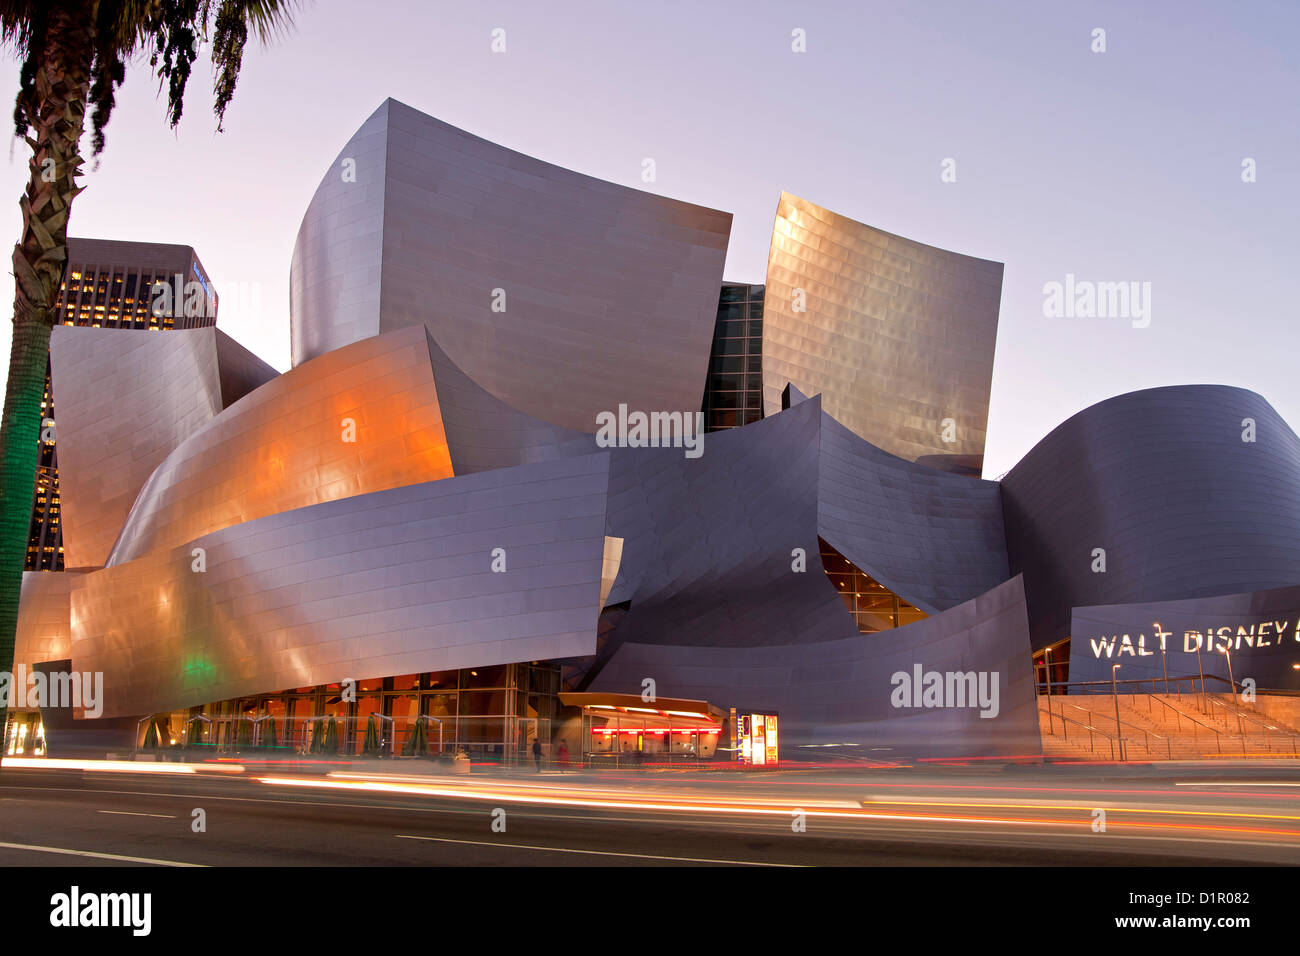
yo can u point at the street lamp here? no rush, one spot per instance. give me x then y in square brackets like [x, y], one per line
[1232, 685]
[1114, 692]
[1164, 669]
[1202, 672]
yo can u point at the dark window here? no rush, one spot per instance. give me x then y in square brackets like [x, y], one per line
[724, 419]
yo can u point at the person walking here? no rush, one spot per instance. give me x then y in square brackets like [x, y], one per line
[562, 756]
[537, 753]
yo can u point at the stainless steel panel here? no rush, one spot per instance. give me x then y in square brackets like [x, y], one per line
[44, 630]
[388, 582]
[125, 399]
[896, 337]
[838, 690]
[934, 538]
[611, 292]
[1163, 482]
[285, 445]
[1262, 634]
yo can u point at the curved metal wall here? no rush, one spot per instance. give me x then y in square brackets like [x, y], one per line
[896, 337]
[125, 399]
[44, 624]
[1162, 481]
[933, 538]
[484, 432]
[334, 273]
[708, 542]
[391, 582]
[840, 691]
[286, 445]
[708, 555]
[610, 292]
[1259, 629]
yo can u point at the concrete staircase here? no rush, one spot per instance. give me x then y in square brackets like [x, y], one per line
[1163, 727]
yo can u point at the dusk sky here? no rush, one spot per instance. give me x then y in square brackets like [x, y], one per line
[1117, 166]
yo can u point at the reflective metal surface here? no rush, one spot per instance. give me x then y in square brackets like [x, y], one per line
[838, 690]
[44, 631]
[897, 336]
[484, 432]
[609, 565]
[709, 542]
[610, 293]
[360, 419]
[1163, 483]
[125, 399]
[422, 491]
[390, 582]
[1260, 630]
[933, 538]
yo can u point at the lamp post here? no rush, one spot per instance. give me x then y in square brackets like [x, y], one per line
[1049, 694]
[1164, 669]
[1202, 672]
[1114, 692]
[1232, 684]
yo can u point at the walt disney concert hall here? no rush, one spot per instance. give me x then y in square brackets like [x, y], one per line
[538, 472]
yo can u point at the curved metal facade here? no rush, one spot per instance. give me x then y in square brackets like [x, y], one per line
[350, 511]
[1259, 629]
[289, 444]
[931, 537]
[897, 336]
[44, 617]
[841, 690]
[126, 399]
[390, 582]
[484, 432]
[607, 294]
[334, 277]
[710, 541]
[1162, 481]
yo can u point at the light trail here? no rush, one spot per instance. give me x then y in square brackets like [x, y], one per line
[822, 809]
[114, 766]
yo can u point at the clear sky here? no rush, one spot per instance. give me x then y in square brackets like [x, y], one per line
[1117, 166]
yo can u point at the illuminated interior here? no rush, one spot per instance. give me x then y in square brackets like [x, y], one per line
[873, 606]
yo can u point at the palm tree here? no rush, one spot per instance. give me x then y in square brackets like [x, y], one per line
[74, 55]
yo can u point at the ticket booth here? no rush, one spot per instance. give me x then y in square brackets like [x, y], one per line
[757, 737]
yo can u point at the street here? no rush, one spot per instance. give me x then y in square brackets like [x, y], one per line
[141, 814]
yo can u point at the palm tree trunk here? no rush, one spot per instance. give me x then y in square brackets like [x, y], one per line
[55, 109]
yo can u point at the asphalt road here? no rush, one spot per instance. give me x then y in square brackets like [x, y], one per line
[1187, 815]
